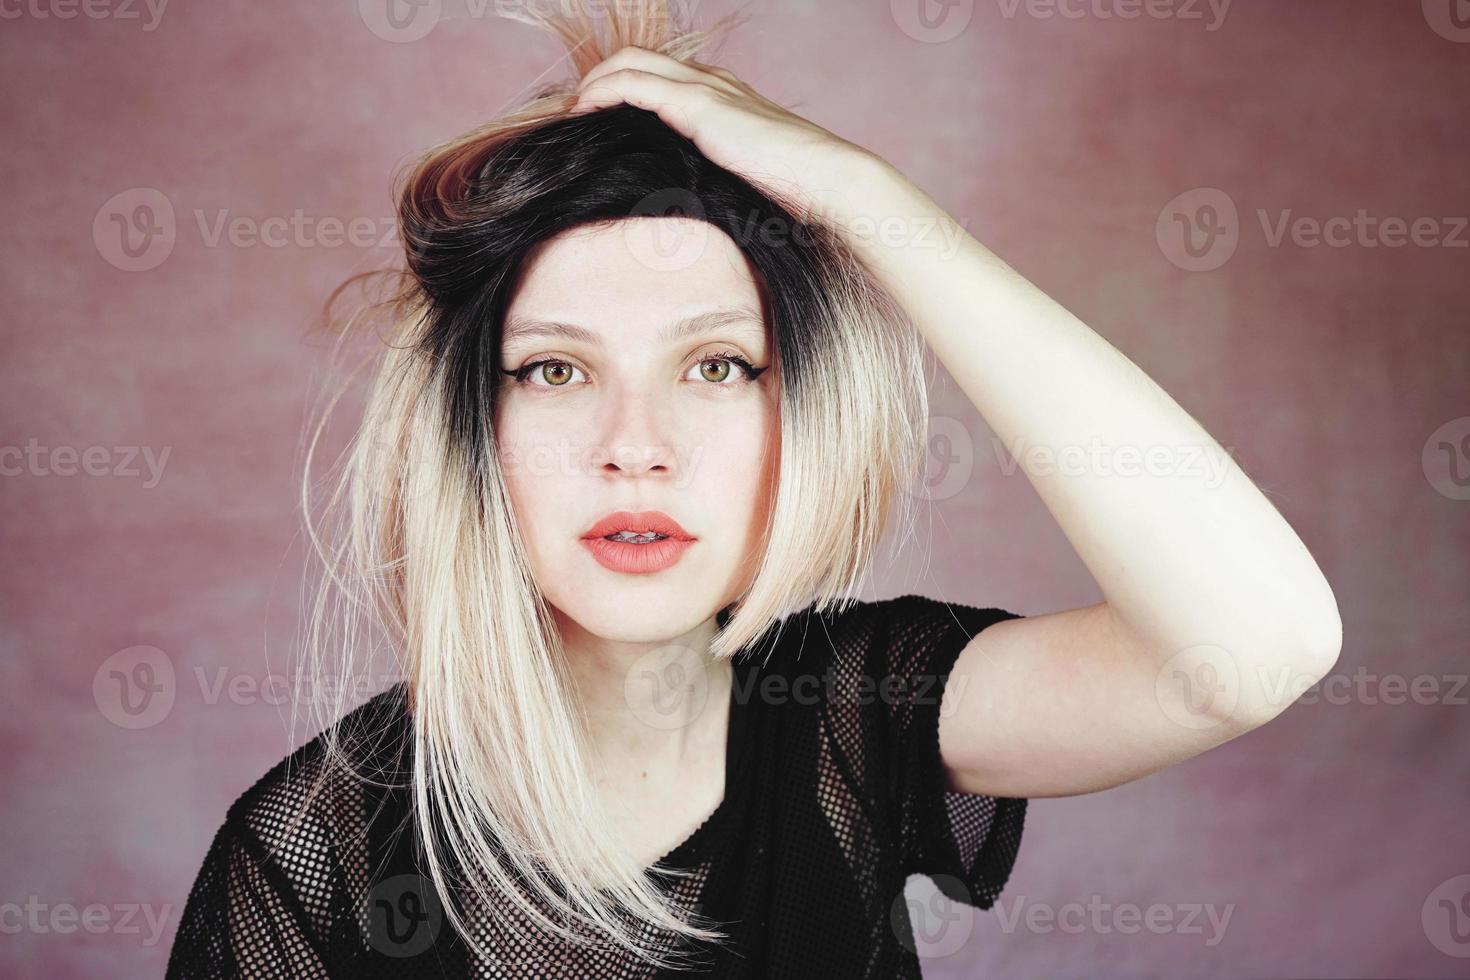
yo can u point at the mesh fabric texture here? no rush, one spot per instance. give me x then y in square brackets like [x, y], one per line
[834, 795]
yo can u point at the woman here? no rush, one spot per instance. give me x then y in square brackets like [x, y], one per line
[652, 395]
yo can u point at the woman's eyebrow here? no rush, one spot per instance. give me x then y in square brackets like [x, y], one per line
[742, 319]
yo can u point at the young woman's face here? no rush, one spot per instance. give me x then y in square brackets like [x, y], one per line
[643, 406]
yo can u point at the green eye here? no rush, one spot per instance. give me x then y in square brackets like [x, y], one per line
[554, 373]
[715, 369]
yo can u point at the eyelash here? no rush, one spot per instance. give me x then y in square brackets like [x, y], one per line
[751, 372]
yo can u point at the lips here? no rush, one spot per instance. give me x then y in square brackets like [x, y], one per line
[641, 522]
[642, 557]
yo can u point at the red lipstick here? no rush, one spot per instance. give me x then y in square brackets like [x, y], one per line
[637, 543]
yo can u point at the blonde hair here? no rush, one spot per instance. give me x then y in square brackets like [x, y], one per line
[418, 538]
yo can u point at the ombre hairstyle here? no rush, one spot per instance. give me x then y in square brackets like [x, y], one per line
[418, 537]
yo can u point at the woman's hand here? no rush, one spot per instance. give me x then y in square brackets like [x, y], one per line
[742, 131]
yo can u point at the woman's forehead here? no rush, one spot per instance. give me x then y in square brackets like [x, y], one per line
[661, 279]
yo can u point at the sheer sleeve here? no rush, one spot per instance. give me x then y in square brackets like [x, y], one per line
[284, 888]
[243, 917]
[966, 842]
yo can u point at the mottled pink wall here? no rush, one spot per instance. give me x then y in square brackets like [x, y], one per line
[1061, 134]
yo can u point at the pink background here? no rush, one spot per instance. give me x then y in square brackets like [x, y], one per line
[1058, 140]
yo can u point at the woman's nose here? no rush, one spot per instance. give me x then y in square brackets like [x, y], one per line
[638, 439]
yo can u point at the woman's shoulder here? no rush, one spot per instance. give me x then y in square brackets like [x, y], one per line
[271, 885]
[304, 800]
[899, 634]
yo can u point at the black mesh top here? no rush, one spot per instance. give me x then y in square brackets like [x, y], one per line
[834, 795]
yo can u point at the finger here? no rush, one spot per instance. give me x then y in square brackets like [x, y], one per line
[724, 74]
[674, 102]
[655, 62]
[639, 58]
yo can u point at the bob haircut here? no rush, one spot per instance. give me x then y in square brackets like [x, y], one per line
[418, 535]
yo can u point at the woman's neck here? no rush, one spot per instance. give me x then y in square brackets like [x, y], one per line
[651, 705]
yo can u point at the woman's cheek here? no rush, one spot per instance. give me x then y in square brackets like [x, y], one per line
[734, 466]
